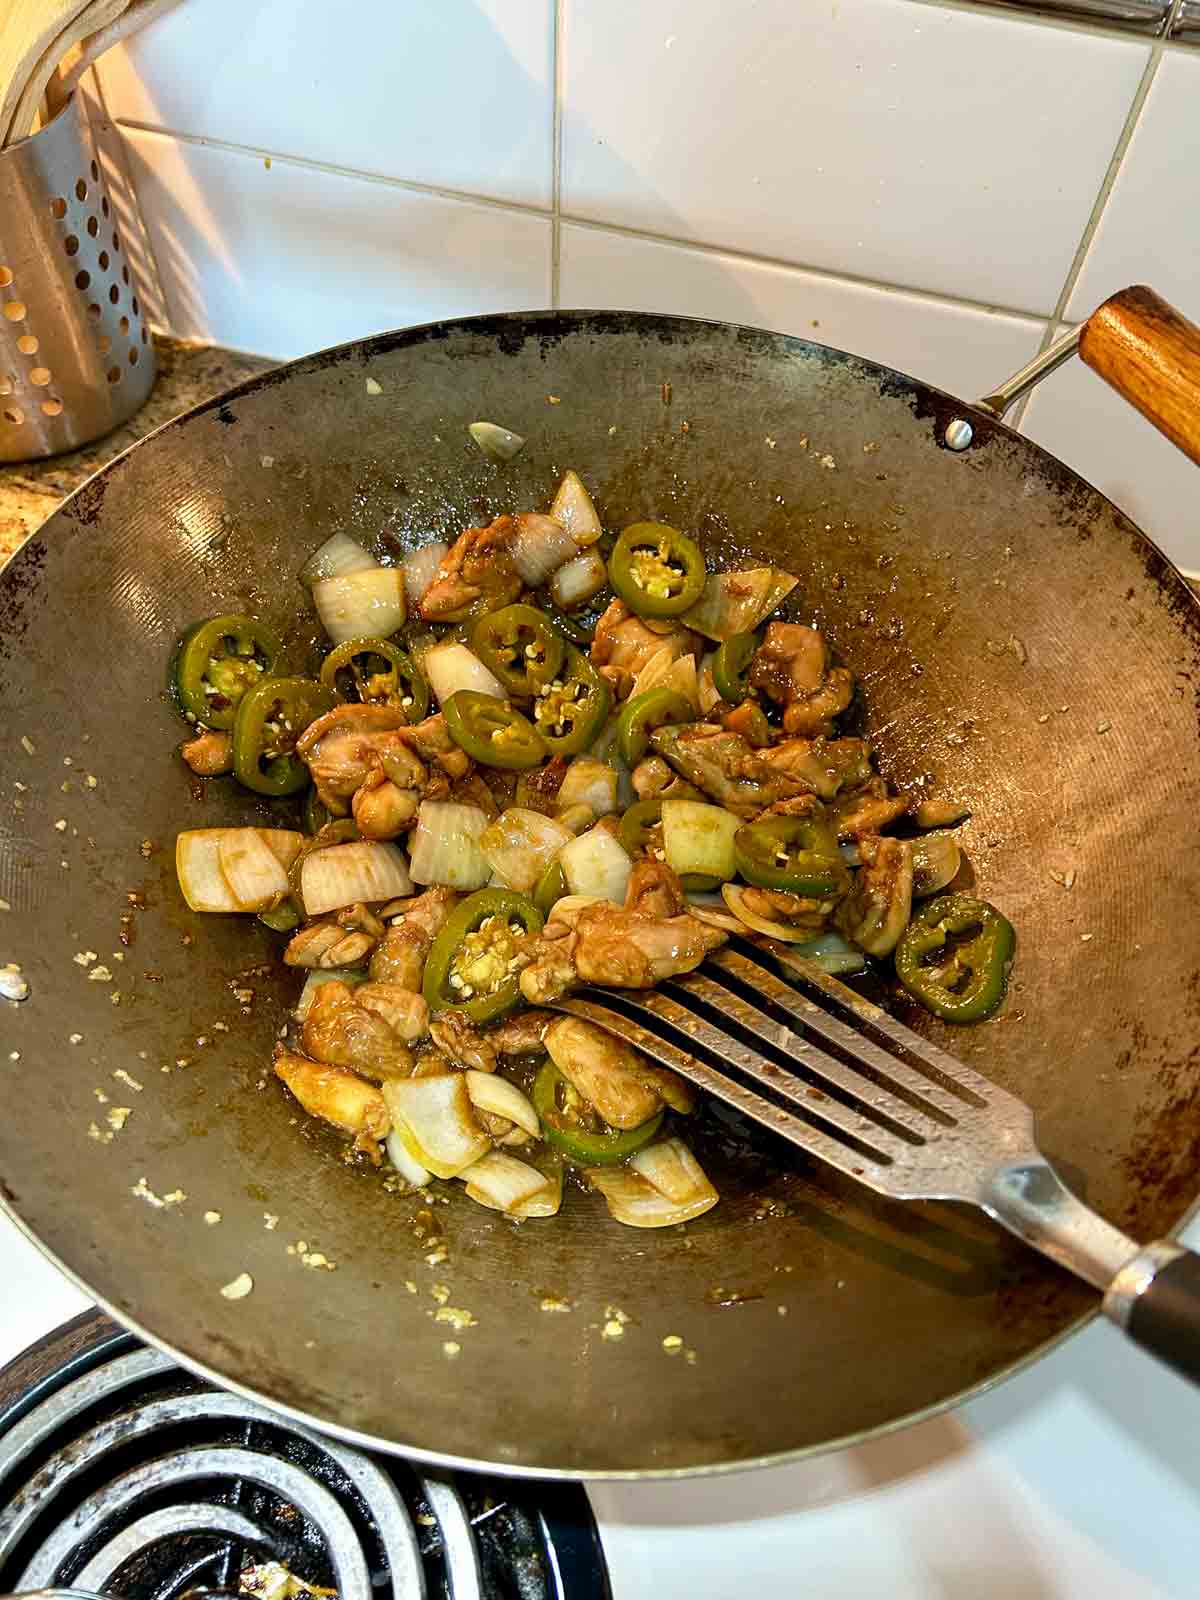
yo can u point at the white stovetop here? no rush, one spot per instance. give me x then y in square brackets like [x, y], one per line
[1078, 1480]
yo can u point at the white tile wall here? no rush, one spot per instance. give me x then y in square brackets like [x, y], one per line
[930, 184]
[961, 348]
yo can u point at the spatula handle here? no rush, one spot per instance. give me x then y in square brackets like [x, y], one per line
[1156, 1299]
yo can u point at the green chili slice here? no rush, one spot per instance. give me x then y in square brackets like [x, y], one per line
[270, 718]
[217, 661]
[641, 715]
[954, 957]
[282, 918]
[519, 644]
[473, 964]
[571, 710]
[492, 732]
[380, 674]
[572, 630]
[656, 570]
[731, 667]
[316, 813]
[551, 886]
[639, 825]
[578, 1143]
[796, 854]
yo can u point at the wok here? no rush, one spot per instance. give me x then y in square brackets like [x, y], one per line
[1019, 643]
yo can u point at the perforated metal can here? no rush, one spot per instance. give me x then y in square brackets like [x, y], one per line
[75, 354]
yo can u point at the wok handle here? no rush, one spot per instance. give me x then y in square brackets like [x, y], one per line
[1155, 1298]
[1150, 354]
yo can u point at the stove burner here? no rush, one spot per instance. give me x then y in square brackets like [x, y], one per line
[121, 1474]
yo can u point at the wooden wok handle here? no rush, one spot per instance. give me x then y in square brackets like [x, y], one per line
[1149, 354]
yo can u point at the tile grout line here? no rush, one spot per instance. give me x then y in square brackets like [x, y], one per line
[519, 208]
[556, 127]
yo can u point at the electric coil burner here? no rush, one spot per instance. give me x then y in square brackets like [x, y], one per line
[121, 1474]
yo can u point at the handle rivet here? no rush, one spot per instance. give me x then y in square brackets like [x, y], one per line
[959, 434]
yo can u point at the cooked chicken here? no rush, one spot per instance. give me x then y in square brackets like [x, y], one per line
[381, 810]
[209, 754]
[617, 1080]
[609, 945]
[341, 749]
[361, 918]
[654, 890]
[400, 959]
[623, 644]
[799, 912]
[748, 720]
[875, 912]
[338, 1097]
[828, 766]
[339, 1031]
[869, 809]
[725, 767]
[478, 566]
[473, 791]
[430, 741]
[323, 945]
[480, 1049]
[404, 1012]
[791, 667]
[653, 780]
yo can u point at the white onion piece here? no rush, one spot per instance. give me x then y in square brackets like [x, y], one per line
[520, 845]
[434, 1122]
[198, 866]
[714, 918]
[578, 580]
[575, 819]
[251, 868]
[605, 749]
[595, 864]
[369, 870]
[451, 667]
[410, 1170]
[699, 838]
[361, 605]
[420, 569]
[655, 670]
[574, 509]
[707, 693]
[336, 558]
[736, 602]
[681, 678]
[497, 443]
[444, 846]
[633, 1194]
[503, 1183]
[673, 1170]
[852, 855]
[833, 954]
[490, 1092]
[590, 783]
[735, 899]
[539, 546]
[350, 976]
[547, 1200]
[936, 860]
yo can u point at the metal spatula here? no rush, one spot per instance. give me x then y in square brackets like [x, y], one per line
[845, 1082]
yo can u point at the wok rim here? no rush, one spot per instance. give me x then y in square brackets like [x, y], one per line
[384, 341]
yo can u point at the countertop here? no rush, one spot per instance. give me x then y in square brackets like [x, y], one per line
[187, 375]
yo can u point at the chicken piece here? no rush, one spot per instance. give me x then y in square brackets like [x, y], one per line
[467, 1046]
[725, 767]
[341, 749]
[797, 911]
[791, 667]
[610, 945]
[400, 959]
[381, 810]
[623, 1086]
[623, 644]
[827, 765]
[748, 720]
[651, 778]
[338, 1097]
[654, 890]
[473, 791]
[360, 918]
[869, 809]
[339, 1031]
[322, 945]
[209, 754]
[403, 1010]
[876, 911]
[478, 565]
[431, 743]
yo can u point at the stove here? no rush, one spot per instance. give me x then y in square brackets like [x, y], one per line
[121, 1474]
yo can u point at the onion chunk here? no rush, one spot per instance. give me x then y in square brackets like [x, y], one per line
[367, 870]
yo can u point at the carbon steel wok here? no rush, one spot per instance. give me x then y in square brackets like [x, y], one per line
[1018, 640]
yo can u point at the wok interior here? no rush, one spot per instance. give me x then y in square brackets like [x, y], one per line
[1018, 643]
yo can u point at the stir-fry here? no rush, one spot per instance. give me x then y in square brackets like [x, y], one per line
[512, 785]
